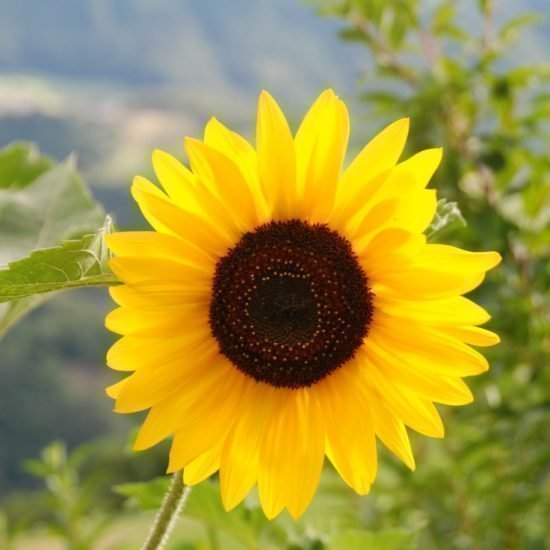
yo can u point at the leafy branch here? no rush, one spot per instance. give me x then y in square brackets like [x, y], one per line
[73, 264]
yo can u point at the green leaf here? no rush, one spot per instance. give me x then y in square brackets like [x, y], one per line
[41, 205]
[20, 164]
[243, 523]
[510, 31]
[147, 495]
[382, 540]
[38, 213]
[447, 218]
[73, 264]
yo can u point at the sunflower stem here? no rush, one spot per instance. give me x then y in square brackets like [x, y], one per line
[168, 514]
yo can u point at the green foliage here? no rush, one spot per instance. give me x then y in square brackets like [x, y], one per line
[362, 540]
[41, 205]
[333, 520]
[75, 519]
[73, 264]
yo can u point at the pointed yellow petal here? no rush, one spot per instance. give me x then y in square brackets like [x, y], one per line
[157, 324]
[204, 465]
[474, 336]
[412, 175]
[138, 269]
[451, 258]
[391, 430]
[306, 440]
[321, 143]
[177, 180]
[187, 413]
[426, 348]
[275, 451]
[276, 158]
[416, 412]
[240, 457]
[202, 425]
[350, 434]
[113, 390]
[391, 249]
[378, 155]
[437, 388]
[243, 155]
[416, 211]
[158, 245]
[164, 215]
[153, 384]
[135, 352]
[455, 310]
[224, 179]
[419, 283]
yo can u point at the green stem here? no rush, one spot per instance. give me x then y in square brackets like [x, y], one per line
[168, 514]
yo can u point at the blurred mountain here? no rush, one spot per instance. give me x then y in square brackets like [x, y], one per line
[203, 45]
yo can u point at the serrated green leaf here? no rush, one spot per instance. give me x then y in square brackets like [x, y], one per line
[45, 211]
[41, 205]
[73, 264]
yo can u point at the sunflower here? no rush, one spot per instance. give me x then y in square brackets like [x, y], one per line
[284, 309]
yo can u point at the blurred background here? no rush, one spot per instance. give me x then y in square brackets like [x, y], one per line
[111, 81]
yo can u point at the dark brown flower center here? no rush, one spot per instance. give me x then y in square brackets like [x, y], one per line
[290, 303]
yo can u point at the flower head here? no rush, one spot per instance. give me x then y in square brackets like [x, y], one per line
[284, 310]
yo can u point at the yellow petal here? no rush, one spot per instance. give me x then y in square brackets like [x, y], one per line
[202, 426]
[224, 179]
[164, 215]
[243, 155]
[451, 258]
[416, 211]
[390, 430]
[440, 389]
[156, 324]
[474, 336]
[274, 452]
[416, 412]
[426, 348]
[134, 352]
[321, 143]
[455, 310]
[351, 207]
[113, 390]
[204, 465]
[412, 212]
[306, 442]
[425, 284]
[151, 244]
[373, 221]
[276, 158]
[151, 385]
[138, 269]
[241, 452]
[412, 175]
[391, 249]
[177, 180]
[380, 154]
[188, 412]
[350, 432]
